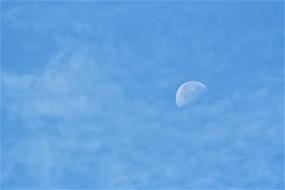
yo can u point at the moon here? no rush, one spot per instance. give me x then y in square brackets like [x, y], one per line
[189, 92]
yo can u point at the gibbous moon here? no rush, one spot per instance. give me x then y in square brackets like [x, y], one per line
[188, 92]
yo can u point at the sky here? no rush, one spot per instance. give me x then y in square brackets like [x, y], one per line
[88, 95]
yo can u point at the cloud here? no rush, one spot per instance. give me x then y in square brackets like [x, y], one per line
[72, 106]
[98, 114]
[78, 121]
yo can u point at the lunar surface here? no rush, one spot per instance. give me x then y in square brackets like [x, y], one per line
[189, 92]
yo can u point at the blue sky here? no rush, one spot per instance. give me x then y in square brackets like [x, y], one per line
[88, 95]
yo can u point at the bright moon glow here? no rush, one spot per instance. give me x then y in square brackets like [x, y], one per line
[188, 92]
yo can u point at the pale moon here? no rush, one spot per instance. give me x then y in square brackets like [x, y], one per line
[189, 92]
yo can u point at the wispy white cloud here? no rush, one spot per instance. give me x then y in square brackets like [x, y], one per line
[89, 118]
[79, 119]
